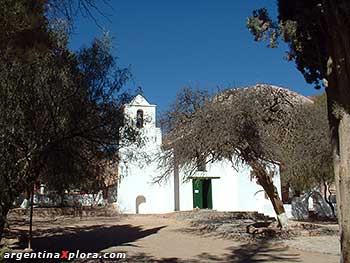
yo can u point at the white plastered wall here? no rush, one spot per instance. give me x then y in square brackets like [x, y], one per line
[234, 190]
[139, 171]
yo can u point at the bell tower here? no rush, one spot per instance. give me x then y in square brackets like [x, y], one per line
[142, 115]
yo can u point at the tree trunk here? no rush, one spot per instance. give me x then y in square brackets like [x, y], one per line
[62, 199]
[343, 183]
[265, 180]
[30, 236]
[339, 121]
[338, 97]
[328, 199]
[3, 214]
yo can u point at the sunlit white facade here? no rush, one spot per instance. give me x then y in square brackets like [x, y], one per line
[220, 187]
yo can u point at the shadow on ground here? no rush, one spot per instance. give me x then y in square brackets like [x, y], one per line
[91, 239]
[245, 253]
[96, 238]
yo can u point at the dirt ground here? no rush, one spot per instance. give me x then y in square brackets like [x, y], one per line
[162, 238]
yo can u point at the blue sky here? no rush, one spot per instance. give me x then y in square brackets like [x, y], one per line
[199, 43]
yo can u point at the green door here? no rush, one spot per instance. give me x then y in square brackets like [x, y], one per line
[197, 193]
[202, 193]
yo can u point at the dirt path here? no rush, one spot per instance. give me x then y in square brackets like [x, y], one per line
[173, 243]
[157, 238]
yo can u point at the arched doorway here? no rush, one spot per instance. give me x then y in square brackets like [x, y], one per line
[140, 199]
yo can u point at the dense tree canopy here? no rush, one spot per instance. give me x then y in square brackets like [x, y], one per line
[61, 112]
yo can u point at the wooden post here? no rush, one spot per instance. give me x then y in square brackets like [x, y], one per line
[176, 185]
[30, 237]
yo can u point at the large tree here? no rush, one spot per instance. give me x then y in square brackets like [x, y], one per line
[250, 125]
[61, 113]
[318, 35]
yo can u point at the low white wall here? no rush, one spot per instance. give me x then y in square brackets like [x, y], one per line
[288, 210]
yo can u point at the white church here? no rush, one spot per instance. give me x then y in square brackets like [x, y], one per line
[220, 187]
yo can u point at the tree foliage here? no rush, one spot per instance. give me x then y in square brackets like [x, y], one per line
[307, 157]
[70, 9]
[61, 112]
[249, 125]
[318, 35]
[305, 37]
[188, 100]
[299, 131]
